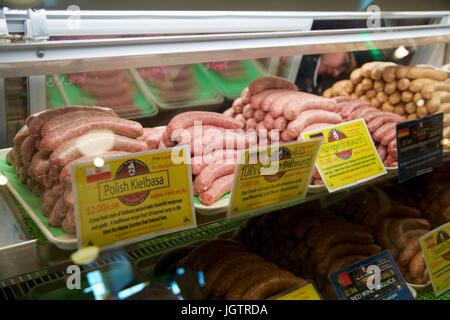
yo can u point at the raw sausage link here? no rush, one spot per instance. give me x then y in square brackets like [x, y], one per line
[217, 189]
[266, 103]
[41, 118]
[272, 285]
[300, 104]
[187, 119]
[417, 265]
[72, 149]
[77, 128]
[21, 135]
[67, 118]
[58, 213]
[310, 117]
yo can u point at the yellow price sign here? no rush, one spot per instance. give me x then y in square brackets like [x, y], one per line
[133, 197]
[272, 176]
[347, 156]
[436, 250]
[307, 292]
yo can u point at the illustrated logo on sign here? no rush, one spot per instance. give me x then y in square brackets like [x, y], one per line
[442, 236]
[281, 154]
[128, 169]
[336, 135]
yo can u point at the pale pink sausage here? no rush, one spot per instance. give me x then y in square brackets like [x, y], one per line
[380, 120]
[237, 105]
[256, 100]
[123, 127]
[153, 137]
[240, 117]
[224, 156]
[307, 102]
[70, 150]
[342, 99]
[348, 107]
[67, 118]
[212, 172]
[280, 123]
[251, 124]
[383, 130]
[35, 123]
[270, 82]
[187, 119]
[248, 111]
[218, 188]
[267, 102]
[276, 110]
[360, 112]
[259, 115]
[261, 130]
[229, 112]
[369, 116]
[246, 95]
[286, 136]
[268, 121]
[310, 117]
[188, 134]
[392, 149]
[274, 135]
[389, 136]
[69, 224]
[382, 152]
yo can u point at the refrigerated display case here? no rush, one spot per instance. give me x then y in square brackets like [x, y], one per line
[48, 56]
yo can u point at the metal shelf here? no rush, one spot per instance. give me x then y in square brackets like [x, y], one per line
[229, 36]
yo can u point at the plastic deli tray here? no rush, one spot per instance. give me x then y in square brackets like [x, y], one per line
[115, 276]
[220, 206]
[32, 205]
[62, 92]
[232, 88]
[202, 91]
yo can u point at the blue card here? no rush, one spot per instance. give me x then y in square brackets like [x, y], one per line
[375, 278]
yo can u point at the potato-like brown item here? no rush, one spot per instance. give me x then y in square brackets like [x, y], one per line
[382, 97]
[378, 85]
[387, 107]
[364, 97]
[429, 88]
[410, 107]
[356, 76]
[354, 96]
[366, 68]
[389, 73]
[400, 109]
[328, 93]
[389, 88]
[379, 68]
[412, 116]
[417, 84]
[421, 112]
[427, 72]
[401, 72]
[359, 91]
[367, 84]
[407, 96]
[371, 93]
[418, 100]
[403, 84]
[435, 102]
[342, 88]
[395, 98]
[375, 102]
